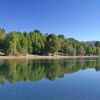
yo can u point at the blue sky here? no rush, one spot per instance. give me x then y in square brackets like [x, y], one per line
[73, 18]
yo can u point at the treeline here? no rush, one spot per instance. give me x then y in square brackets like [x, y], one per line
[35, 42]
[18, 70]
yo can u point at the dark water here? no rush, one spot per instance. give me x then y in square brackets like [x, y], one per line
[67, 79]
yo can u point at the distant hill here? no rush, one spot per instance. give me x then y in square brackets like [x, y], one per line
[89, 42]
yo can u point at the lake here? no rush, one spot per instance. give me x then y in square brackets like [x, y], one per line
[63, 79]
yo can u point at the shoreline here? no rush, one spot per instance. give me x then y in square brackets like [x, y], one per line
[45, 57]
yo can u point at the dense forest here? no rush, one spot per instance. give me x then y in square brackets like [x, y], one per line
[35, 42]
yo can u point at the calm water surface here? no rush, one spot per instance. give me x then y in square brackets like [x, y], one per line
[67, 79]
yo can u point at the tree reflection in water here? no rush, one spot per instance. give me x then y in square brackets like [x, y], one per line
[17, 70]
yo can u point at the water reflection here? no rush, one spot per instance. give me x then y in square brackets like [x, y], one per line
[17, 70]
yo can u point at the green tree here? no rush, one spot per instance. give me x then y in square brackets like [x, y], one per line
[72, 42]
[81, 51]
[37, 40]
[10, 43]
[97, 43]
[62, 42]
[22, 44]
[2, 35]
[97, 51]
[90, 50]
[29, 42]
[52, 43]
[69, 50]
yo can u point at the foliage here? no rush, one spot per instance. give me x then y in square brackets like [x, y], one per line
[2, 35]
[52, 43]
[35, 42]
[69, 50]
[97, 44]
[81, 51]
